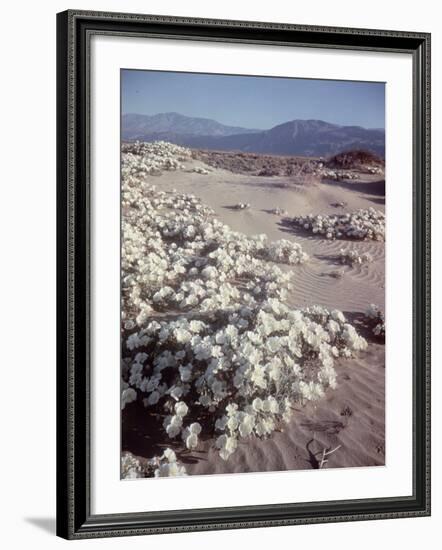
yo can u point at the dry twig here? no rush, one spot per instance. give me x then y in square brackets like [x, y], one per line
[325, 453]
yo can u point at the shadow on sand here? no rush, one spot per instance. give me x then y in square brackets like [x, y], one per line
[359, 320]
[143, 435]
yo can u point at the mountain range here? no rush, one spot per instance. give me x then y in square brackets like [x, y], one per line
[295, 137]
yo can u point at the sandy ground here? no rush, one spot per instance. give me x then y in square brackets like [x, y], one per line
[353, 415]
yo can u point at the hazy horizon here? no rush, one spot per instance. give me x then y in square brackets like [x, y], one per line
[258, 102]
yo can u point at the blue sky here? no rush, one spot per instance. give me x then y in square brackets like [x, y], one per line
[253, 102]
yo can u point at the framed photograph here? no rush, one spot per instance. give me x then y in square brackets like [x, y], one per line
[243, 274]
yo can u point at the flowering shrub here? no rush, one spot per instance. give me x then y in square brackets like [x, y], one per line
[361, 224]
[165, 465]
[200, 170]
[247, 368]
[279, 211]
[338, 174]
[376, 320]
[131, 467]
[375, 170]
[139, 159]
[206, 330]
[354, 257]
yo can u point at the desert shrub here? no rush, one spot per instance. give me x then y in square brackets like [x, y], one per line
[354, 257]
[338, 175]
[361, 225]
[248, 368]
[165, 465]
[305, 174]
[152, 158]
[278, 211]
[376, 320]
[354, 159]
[269, 172]
[201, 170]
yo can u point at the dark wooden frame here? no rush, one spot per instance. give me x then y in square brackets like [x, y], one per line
[74, 519]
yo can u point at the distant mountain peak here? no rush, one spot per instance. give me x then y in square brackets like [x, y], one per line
[306, 137]
[137, 125]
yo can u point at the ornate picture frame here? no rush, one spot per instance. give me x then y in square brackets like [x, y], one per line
[75, 519]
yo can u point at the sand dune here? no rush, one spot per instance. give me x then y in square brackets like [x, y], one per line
[352, 415]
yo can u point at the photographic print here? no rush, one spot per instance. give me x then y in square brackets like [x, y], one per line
[225, 274]
[252, 274]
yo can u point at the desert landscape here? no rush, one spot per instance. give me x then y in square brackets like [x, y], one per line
[253, 292]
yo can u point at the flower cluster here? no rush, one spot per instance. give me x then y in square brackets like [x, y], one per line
[354, 257]
[362, 224]
[279, 211]
[190, 435]
[165, 465]
[285, 252]
[201, 170]
[248, 368]
[338, 174]
[139, 159]
[376, 320]
[131, 467]
[375, 170]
